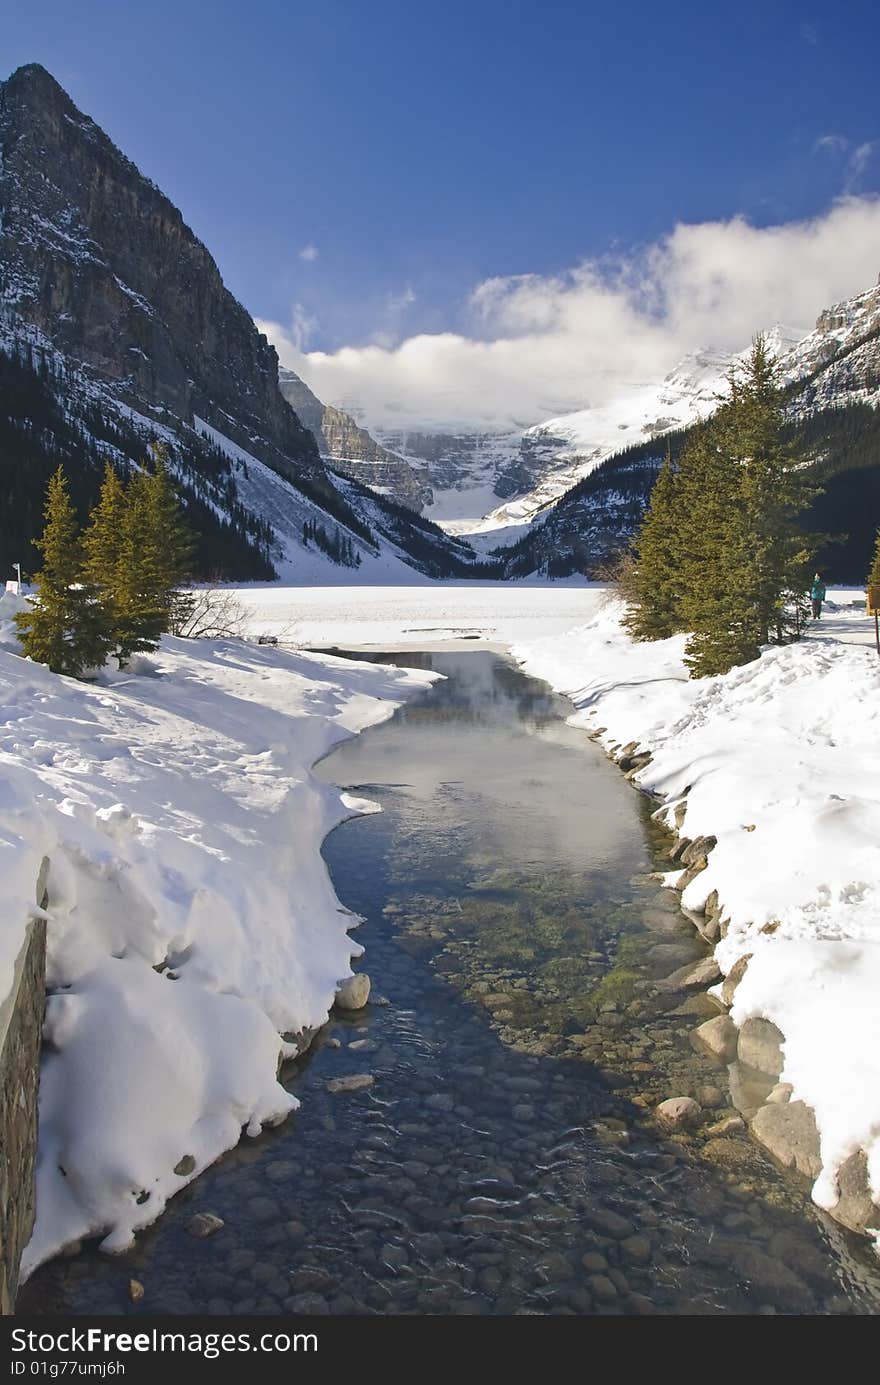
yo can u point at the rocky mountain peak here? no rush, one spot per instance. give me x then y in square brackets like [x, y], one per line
[103, 265]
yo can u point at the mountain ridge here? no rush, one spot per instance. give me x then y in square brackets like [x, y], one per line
[99, 271]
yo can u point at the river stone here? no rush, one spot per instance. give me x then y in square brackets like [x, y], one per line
[789, 1134]
[553, 1268]
[356, 1082]
[204, 1224]
[697, 1006]
[760, 1046]
[727, 1154]
[692, 977]
[184, 1166]
[717, 1038]
[733, 978]
[637, 1248]
[678, 1112]
[854, 1207]
[602, 1287]
[609, 1223]
[135, 1290]
[749, 1089]
[354, 992]
[766, 1274]
[728, 1125]
[698, 850]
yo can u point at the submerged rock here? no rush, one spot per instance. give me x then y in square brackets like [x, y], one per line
[678, 1112]
[204, 1224]
[760, 1046]
[717, 1038]
[355, 1082]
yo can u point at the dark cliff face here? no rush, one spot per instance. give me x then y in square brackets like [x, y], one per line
[95, 256]
[353, 451]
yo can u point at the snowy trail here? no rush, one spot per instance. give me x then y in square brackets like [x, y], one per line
[844, 619]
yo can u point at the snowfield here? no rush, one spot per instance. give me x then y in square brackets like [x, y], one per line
[191, 919]
[780, 760]
[394, 617]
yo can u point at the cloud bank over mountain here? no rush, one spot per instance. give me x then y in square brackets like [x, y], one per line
[533, 346]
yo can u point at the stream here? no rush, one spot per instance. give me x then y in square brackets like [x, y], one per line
[504, 1159]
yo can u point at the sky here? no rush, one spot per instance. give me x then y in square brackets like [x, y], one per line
[491, 212]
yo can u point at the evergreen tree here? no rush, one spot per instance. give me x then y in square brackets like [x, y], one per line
[66, 627]
[169, 540]
[102, 539]
[720, 553]
[654, 587]
[714, 604]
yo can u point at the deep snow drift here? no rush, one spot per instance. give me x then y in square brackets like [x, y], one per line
[191, 920]
[781, 762]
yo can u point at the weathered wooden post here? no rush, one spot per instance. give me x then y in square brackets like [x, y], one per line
[874, 610]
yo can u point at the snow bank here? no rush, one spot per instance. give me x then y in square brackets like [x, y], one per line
[780, 760]
[191, 918]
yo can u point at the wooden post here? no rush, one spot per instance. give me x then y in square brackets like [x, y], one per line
[873, 604]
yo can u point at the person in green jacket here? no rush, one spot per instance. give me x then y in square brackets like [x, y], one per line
[817, 596]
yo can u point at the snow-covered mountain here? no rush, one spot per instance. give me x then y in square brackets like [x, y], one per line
[557, 454]
[831, 380]
[118, 331]
[839, 362]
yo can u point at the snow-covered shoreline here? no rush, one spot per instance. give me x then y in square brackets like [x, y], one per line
[191, 919]
[778, 761]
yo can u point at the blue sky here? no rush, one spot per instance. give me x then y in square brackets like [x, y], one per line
[421, 150]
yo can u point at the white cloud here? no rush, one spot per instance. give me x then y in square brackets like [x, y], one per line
[540, 345]
[309, 253]
[859, 162]
[831, 144]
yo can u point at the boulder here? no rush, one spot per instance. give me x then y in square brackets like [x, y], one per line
[693, 976]
[733, 978]
[698, 850]
[854, 1207]
[749, 1089]
[354, 992]
[678, 1112]
[789, 1134]
[717, 1039]
[760, 1046]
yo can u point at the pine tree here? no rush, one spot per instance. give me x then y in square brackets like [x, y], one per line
[747, 559]
[101, 541]
[139, 616]
[66, 627]
[654, 586]
[714, 606]
[169, 539]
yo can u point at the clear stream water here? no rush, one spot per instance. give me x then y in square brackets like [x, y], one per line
[504, 1159]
